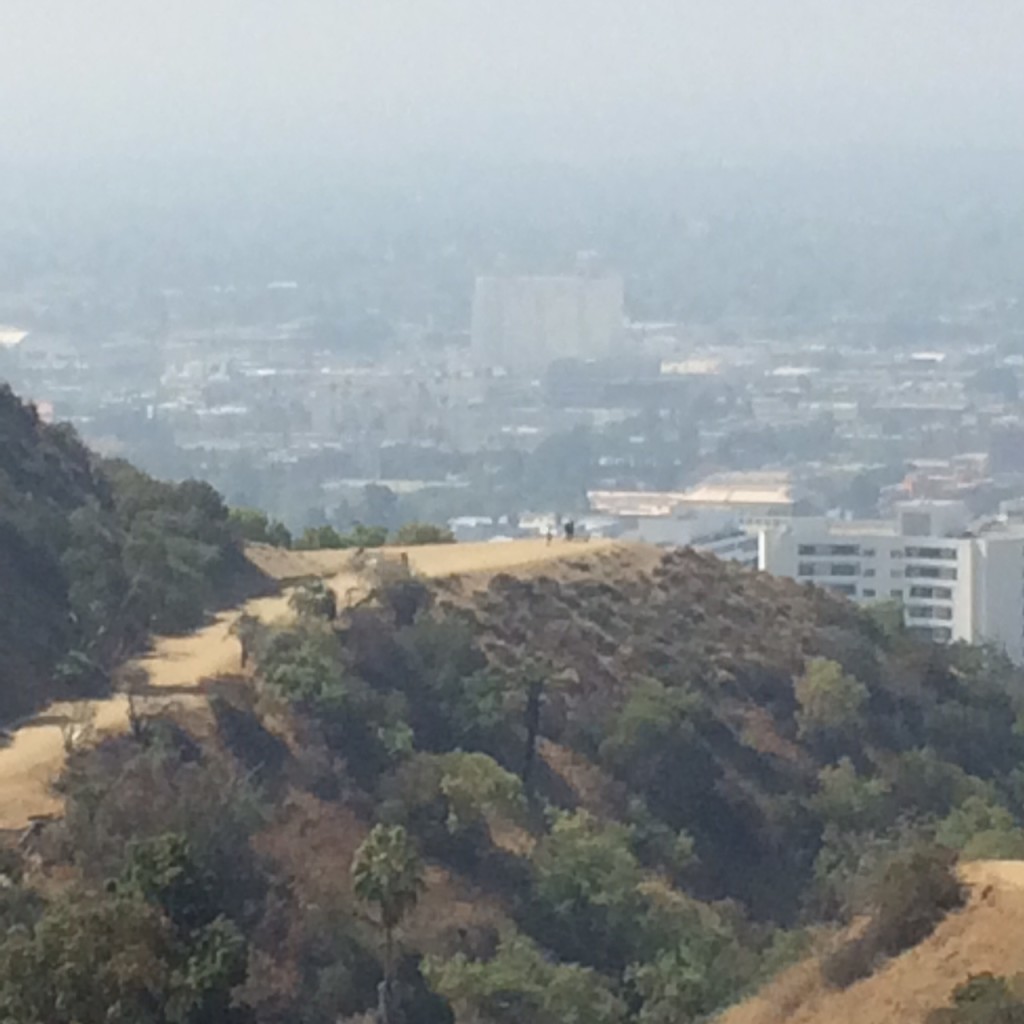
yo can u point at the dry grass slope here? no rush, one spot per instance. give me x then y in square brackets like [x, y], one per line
[984, 936]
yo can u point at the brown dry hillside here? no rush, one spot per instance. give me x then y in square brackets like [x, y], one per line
[983, 937]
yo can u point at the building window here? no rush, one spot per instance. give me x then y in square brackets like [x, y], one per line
[932, 593]
[947, 554]
[929, 611]
[869, 593]
[869, 552]
[845, 550]
[844, 569]
[898, 594]
[869, 572]
[846, 589]
[825, 550]
[929, 572]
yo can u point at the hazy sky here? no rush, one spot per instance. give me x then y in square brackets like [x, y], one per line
[573, 79]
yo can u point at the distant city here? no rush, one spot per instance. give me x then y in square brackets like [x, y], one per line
[798, 448]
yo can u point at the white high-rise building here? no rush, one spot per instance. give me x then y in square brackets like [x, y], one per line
[528, 322]
[956, 581]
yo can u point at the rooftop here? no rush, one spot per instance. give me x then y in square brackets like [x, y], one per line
[635, 503]
[759, 488]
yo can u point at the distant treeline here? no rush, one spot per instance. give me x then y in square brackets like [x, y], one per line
[256, 527]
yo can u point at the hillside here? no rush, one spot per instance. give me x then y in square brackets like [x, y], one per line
[176, 668]
[94, 558]
[618, 785]
[983, 938]
[761, 716]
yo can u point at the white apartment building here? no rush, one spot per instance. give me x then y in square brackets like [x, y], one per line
[714, 532]
[662, 518]
[527, 322]
[956, 581]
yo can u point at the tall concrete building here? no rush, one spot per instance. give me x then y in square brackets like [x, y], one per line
[956, 581]
[523, 323]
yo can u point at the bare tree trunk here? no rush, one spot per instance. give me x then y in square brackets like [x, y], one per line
[388, 1011]
[534, 696]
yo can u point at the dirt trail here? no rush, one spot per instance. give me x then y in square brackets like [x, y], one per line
[984, 936]
[178, 665]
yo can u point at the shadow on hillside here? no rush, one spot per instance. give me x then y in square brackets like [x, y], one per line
[150, 690]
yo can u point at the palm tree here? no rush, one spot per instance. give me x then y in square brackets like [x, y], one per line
[387, 872]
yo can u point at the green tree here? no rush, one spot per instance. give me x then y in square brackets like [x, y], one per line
[478, 790]
[321, 538]
[279, 535]
[249, 524]
[253, 525]
[587, 886]
[981, 830]
[412, 534]
[830, 702]
[696, 976]
[303, 666]
[214, 963]
[315, 600]
[163, 871]
[387, 873]
[367, 536]
[327, 538]
[89, 959]
[107, 623]
[521, 984]
[850, 801]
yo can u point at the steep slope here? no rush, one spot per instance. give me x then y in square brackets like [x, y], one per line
[748, 711]
[94, 557]
[983, 937]
[45, 475]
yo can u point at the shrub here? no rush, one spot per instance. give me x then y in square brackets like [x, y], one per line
[983, 999]
[412, 534]
[251, 524]
[314, 600]
[830, 701]
[521, 984]
[915, 891]
[981, 830]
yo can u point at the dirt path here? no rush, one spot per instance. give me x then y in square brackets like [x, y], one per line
[35, 756]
